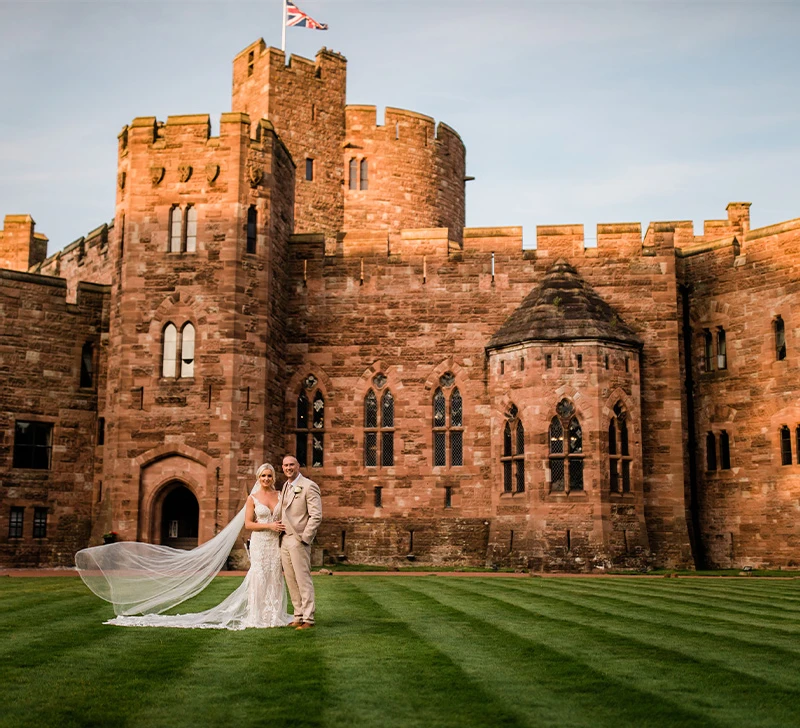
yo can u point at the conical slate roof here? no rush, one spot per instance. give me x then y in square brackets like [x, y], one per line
[563, 308]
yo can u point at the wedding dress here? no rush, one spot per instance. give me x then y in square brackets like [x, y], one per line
[147, 579]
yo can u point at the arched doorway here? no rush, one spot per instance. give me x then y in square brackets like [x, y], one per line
[180, 515]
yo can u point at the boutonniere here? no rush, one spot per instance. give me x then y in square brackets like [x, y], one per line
[297, 489]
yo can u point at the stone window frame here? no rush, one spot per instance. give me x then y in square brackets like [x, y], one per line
[182, 229]
[512, 458]
[708, 351]
[309, 423]
[182, 366]
[722, 349]
[40, 451]
[88, 365]
[251, 230]
[619, 452]
[358, 174]
[40, 522]
[572, 480]
[16, 522]
[378, 435]
[449, 430]
[779, 332]
[785, 442]
[309, 173]
[724, 450]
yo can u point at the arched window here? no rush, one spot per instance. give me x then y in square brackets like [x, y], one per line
[513, 458]
[566, 463]
[445, 427]
[310, 428]
[780, 339]
[175, 229]
[722, 349]
[191, 229]
[353, 172]
[619, 455]
[364, 175]
[786, 446]
[711, 451]
[378, 427]
[169, 348]
[187, 351]
[252, 226]
[87, 365]
[724, 451]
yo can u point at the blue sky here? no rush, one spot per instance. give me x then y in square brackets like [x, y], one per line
[572, 112]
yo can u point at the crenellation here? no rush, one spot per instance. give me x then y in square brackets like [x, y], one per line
[618, 239]
[555, 241]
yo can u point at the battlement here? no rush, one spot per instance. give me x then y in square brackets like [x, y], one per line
[399, 125]
[182, 129]
[20, 245]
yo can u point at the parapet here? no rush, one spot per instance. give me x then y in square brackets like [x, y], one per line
[20, 246]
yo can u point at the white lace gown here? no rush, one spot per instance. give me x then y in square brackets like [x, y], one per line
[260, 600]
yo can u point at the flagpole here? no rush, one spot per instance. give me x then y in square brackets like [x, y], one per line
[283, 25]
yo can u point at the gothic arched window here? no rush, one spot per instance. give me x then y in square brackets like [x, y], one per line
[619, 456]
[379, 429]
[448, 424]
[566, 463]
[169, 349]
[364, 175]
[310, 427]
[187, 351]
[513, 458]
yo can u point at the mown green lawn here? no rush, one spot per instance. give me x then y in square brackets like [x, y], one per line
[418, 651]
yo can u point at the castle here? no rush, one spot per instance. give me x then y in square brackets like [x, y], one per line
[303, 282]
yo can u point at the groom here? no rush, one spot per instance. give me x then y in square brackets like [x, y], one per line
[300, 510]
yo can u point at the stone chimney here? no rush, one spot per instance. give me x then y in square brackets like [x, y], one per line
[20, 247]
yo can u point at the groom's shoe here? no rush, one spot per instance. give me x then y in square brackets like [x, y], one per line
[306, 625]
[296, 624]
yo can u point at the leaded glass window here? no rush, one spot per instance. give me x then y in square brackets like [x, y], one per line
[190, 240]
[379, 428]
[169, 351]
[187, 351]
[175, 229]
[566, 463]
[619, 457]
[33, 445]
[310, 426]
[513, 458]
[447, 427]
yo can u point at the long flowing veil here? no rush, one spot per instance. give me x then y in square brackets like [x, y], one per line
[148, 579]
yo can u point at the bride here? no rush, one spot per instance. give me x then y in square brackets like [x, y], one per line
[148, 579]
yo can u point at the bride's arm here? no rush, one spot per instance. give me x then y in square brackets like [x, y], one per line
[250, 522]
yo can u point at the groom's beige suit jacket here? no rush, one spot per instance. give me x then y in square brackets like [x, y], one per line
[301, 513]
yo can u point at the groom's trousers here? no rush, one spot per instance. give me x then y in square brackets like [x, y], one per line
[296, 560]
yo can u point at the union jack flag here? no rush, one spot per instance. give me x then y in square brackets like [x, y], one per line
[297, 18]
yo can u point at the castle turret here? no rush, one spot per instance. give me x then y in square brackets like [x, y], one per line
[20, 247]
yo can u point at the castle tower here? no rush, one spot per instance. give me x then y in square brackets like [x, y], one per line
[305, 101]
[196, 332]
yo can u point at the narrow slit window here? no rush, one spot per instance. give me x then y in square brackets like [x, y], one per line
[175, 229]
[87, 365]
[708, 350]
[722, 349]
[786, 446]
[309, 169]
[16, 521]
[190, 244]
[40, 522]
[364, 175]
[252, 226]
[780, 339]
[353, 173]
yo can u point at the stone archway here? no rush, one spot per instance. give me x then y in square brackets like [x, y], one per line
[179, 518]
